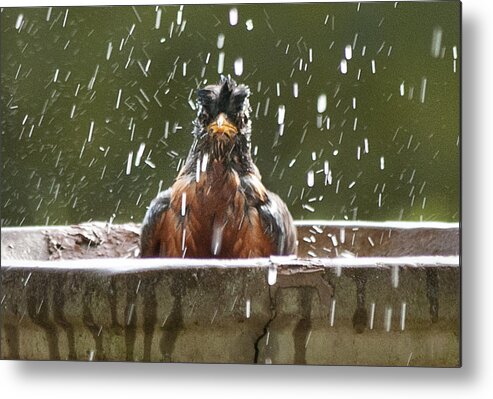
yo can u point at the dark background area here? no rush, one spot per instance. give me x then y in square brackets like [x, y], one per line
[66, 145]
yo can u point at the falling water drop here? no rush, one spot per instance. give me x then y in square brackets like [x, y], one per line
[179, 16]
[321, 103]
[395, 276]
[220, 41]
[91, 129]
[388, 318]
[436, 42]
[310, 178]
[217, 238]
[372, 315]
[233, 16]
[348, 52]
[157, 25]
[19, 21]
[272, 275]
[281, 112]
[423, 90]
[403, 315]
[332, 312]
[183, 204]
[220, 62]
[343, 66]
[238, 66]
[295, 90]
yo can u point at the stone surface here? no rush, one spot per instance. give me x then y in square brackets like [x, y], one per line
[390, 310]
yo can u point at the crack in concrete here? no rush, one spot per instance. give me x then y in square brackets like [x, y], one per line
[265, 330]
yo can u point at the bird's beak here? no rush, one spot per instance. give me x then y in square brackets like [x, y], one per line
[222, 126]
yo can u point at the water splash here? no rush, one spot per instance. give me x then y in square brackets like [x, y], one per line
[343, 66]
[220, 41]
[310, 178]
[220, 62]
[403, 315]
[281, 112]
[233, 16]
[238, 66]
[348, 52]
[332, 312]
[272, 275]
[217, 239]
[436, 42]
[321, 103]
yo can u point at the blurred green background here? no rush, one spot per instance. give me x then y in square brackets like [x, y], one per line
[97, 106]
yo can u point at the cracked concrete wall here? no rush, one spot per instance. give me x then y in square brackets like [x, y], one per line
[232, 315]
[359, 311]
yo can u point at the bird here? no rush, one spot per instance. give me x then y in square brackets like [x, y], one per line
[217, 206]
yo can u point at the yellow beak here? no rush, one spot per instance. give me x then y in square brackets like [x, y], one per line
[222, 126]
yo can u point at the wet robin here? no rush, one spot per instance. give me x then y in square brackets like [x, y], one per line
[218, 206]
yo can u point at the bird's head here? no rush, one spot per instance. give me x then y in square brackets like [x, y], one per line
[223, 113]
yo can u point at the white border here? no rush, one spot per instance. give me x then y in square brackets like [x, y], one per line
[474, 380]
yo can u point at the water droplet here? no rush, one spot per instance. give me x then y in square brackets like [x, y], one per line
[233, 16]
[19, 21]
[118, 98]
[295, 90]
[272, 275]
[403, 315]
[140, 152]
[157, 25]
[238, 66]
[281, 112]
[205, 160]
[388, 318]
[332, 312]
[217, 238]
[372, 315]
[249, 24]
[220, 41]
[308, 338]
[423, 90]
[130, 313]
[310, 178]
[343, 66]
[183, 204]
[436, 42]
[179, 16]
[220, 62]
[348, 52]
[321, 103]
[395, 276]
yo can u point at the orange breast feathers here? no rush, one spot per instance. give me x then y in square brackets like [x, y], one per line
[214, 218]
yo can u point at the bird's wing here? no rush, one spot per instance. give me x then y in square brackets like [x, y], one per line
[278, 224]
[149, 237]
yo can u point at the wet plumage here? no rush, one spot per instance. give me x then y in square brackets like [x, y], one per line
[218, 206]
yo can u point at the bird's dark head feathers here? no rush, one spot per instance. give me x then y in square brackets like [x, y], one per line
[227, 98]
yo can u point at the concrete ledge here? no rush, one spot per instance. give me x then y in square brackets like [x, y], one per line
[385, 310]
